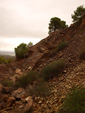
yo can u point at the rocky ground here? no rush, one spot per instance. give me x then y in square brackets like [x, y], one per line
[15, 100]
[19, 100]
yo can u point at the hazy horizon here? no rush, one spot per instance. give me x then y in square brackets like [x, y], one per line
[10, 53]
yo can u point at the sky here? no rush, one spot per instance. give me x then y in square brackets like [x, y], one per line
[24, 21]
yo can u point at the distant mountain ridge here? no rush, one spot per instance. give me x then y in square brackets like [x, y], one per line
[10, 53]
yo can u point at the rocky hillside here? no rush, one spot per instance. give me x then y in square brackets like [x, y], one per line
[14, 100]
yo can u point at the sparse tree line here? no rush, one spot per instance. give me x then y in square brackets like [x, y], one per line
[57, 23]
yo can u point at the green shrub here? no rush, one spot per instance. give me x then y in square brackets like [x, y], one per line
[21, 50]
[27, 79]
[53, 52]
[62, 45]
[82, 55]
[74, 101]
[9, 60]
[7, 83]
[54, 68]
[6, 59]
[40, 89]
[2, 60]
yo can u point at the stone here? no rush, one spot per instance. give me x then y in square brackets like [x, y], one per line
[65, 71]
[29, 104]
[28, 98]
[40, 102]
[55, 90]
[68, 86]
[60, 54]
[61, 99]
[21, 106]
[23, 97]
[18, 93]
[45, 106]
[18, 103]
[41, 49]
[36, 98]
[18, 71]
[34, 105]
[10, 101]
[29, 68]
[13, 78]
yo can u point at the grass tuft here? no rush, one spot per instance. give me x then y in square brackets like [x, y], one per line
[54, 68]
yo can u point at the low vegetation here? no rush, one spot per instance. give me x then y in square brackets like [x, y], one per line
[53, 69]
[27, 79]
[62, 45]
[2, 60]
[40, 89]
[6, 59]
[53, 52]
[74, 101]
[40, 86]
[7, 83]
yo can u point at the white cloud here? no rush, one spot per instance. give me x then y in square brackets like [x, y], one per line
[30, 18]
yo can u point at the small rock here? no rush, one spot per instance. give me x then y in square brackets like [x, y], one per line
[28, 98]
[18, 93]
[18, 103]
[30, 68]
[36, 98]
[45, 106]
[29, 103]
[18, 71]
[65, 71]
[13, 78]
[55, 90]
[21, 106]
[60, 55]
[40, 102]
[10, 101]
[34, 105]
[61, 99]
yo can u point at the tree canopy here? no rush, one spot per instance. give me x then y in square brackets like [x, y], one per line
[56, 23]
[30, 44]
[22, 49]
[78, 13]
